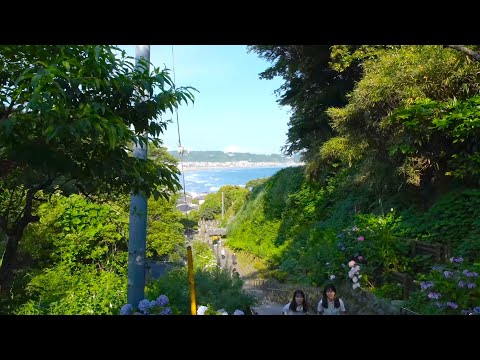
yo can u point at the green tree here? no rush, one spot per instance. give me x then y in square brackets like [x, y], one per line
[165, 231]
[67, 116]
[73, 261]
[234, 198]
[410, 115]
[311, 86]
[211, 208]
[252, 184]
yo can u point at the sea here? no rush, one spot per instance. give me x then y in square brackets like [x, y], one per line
[211, 180]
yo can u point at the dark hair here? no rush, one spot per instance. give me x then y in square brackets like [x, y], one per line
[293, 304]
[336, 302]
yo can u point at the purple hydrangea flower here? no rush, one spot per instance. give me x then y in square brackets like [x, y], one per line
[167, 311]
[162, 300]
[144, 305]
[433, 295]
[426, 284]
[471, 285]
[452, 305]
[477, 309]
[447, 274]
[126, 309]
[461, 284]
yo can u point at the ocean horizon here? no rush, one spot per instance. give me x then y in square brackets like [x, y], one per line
[203, 181]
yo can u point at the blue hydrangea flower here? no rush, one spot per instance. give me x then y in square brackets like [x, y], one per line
[452, 305]
[469, 274]
[144, 305]
[426, 284]
[126, 309]
[162, 300]
[447, 274]
[167, 311]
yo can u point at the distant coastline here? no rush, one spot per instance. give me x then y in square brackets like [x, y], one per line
[195, 166]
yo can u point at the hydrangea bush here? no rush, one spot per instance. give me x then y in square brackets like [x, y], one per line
[147, 307]
[354, 274]
[452, 288]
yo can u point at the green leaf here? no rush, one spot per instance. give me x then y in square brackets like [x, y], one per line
[66, 64]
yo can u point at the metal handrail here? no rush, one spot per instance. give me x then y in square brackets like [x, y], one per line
[405, 311]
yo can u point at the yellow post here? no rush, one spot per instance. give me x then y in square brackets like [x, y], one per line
[193, 301]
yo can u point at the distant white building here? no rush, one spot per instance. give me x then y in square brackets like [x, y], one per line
[201, 198]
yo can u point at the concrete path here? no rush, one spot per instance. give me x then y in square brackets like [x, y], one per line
[268, 308]
[249, 274]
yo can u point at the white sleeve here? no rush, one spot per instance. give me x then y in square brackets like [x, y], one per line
[320, 307]
[342, 306]
[285, 309]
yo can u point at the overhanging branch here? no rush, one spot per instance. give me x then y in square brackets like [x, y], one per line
[474, 54]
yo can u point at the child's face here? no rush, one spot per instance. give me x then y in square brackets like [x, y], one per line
[299, 299]
[330, 294]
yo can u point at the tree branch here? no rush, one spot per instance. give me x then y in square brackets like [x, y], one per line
[3, 224]
[25, 216]
[83, 192]
[6, 112]
[474, 54]
[20, 214]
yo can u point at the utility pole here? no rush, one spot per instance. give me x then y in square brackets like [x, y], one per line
[223, 205]
[138, 215]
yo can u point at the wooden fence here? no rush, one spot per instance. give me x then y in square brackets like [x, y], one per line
[439, 253]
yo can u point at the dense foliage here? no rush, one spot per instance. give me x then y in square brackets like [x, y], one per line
[395, 158]
[68, 115]
[78, 252]
[233, 199]
[214, 287]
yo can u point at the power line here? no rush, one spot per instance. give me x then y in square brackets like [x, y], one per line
[180, 147]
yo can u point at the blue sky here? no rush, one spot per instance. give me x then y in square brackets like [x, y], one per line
[234, 110]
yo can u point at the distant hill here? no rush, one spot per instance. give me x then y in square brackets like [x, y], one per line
[221, 157]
